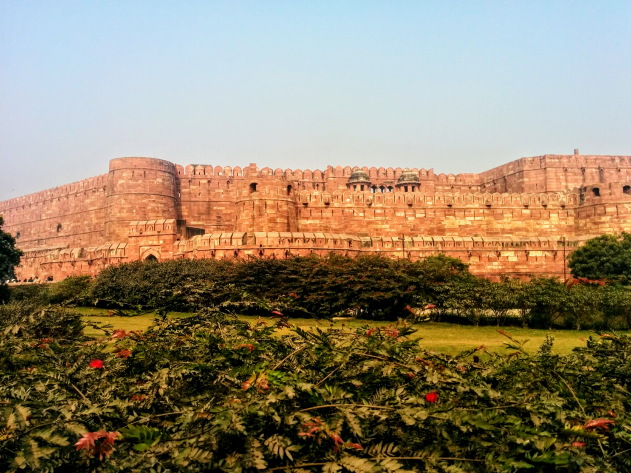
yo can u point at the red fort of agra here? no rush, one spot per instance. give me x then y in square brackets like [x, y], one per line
[518, 219]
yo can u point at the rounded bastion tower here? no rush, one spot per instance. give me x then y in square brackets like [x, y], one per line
[139, 189]
[266, 204]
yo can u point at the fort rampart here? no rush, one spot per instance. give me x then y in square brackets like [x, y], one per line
[521, 218]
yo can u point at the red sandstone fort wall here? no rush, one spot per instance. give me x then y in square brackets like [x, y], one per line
[393, 214]
[553, 173]
[67, 216]
[520, 218]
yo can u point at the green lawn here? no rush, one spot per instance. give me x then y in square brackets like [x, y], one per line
[440, 337]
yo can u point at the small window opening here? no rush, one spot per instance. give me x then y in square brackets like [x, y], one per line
[626, 190]
[596, 191]
[59, 227]
[288, 190]
[253, 187]
[151, 258]
[361, 188]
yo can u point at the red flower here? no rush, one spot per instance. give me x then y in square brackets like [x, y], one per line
[393, 332]
[249, 346]
[275, 312]
[578, 444]
[370, 331]
[599, 424]
[337, 442]
[119, 333]
[294, 295]
[90, 443]
[429, 306]
[138, 397]
[97, 364]
[354, 445]
[431, 396]
[411, 375]
[124, 353]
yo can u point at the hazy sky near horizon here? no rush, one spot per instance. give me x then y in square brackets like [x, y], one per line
[458, 86]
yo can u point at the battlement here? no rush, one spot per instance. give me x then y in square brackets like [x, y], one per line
[440, 199]
[67, 190]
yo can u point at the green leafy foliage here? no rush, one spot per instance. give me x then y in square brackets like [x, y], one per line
[212, 393]
[33, 321]
[370, 286]
[9, 259]
[74, 290]
[603, 257]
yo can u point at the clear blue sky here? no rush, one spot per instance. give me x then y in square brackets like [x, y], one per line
[458, 86]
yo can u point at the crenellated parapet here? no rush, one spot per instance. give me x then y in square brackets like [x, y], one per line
[153, 227]
[75, 189]
[438, 199]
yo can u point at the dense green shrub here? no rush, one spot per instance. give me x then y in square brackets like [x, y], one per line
[542, 301]
[371, 286]
[210, 393]
[616, 307]
[180, 284]
[368, 287]
[29, 320]
[74, 290]
[604, 257]
[36, 292]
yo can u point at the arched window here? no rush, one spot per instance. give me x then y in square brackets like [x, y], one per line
[288, 190]
[626, 190]
[151, 258]
[596, 191]
[253, 187]
[390, 189]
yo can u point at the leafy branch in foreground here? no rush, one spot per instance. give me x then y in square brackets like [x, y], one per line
[215, 394]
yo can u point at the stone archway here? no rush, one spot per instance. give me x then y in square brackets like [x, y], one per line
[150, 255]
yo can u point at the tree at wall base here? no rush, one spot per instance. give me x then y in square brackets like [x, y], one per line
[604, 257]
[9, 259]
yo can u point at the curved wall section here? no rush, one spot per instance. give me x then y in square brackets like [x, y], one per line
[139, 189]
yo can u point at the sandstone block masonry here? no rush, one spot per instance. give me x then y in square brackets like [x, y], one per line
[521, 218]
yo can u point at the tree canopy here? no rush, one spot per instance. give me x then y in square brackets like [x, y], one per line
[603, 257]
[9, 255]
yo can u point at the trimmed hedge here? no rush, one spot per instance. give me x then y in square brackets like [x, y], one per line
[371, 287]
